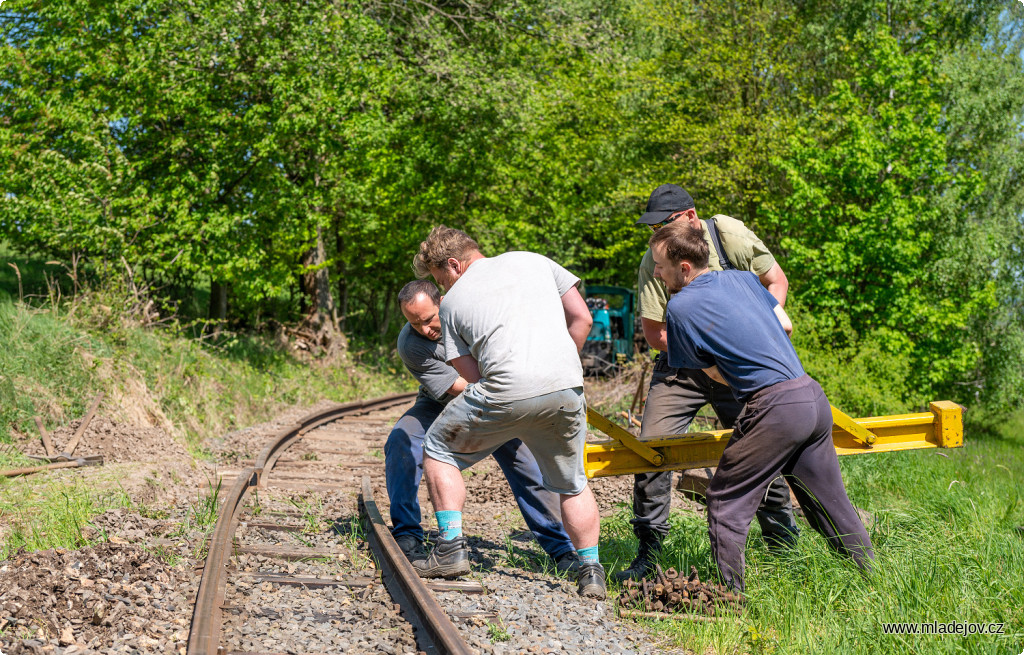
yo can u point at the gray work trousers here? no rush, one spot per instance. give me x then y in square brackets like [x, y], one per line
[674, 398]
[784, 429]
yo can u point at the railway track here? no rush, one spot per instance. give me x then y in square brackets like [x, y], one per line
[229, 574]
[292, 568]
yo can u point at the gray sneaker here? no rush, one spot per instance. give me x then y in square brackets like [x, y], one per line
[448, 559]
[591, 581]
[411, 547]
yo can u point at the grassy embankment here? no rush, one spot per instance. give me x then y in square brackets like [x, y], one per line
[949, 541]
[54, 357]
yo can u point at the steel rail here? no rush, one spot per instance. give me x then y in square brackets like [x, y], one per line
[405, 586]
[289, 435]
[207, 618]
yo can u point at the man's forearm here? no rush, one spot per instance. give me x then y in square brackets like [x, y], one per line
[458, 386]
[783, 317]
[655, 333]
[467, 368]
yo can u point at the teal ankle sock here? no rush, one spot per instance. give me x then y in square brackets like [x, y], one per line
[588, 555]
[449, 523]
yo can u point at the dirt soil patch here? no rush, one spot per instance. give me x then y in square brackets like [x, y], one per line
[166, 474]
[113, 595]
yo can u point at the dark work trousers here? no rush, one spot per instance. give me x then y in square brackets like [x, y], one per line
[403, 469]
[674, 398]
[785, 428]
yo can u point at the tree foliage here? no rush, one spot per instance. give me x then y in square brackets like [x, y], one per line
[288, 157]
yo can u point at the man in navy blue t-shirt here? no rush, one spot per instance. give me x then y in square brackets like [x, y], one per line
[727, 324]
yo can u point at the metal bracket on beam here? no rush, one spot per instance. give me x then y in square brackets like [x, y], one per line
[949, 423]
[615, 431]
[862, 434]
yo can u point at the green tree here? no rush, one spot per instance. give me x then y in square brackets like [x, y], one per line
[883, 206]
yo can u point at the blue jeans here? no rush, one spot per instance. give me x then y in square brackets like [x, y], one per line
[403, 468]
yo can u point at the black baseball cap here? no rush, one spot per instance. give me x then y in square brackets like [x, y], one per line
[665, 201]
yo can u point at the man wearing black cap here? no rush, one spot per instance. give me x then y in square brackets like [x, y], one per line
[676, 394]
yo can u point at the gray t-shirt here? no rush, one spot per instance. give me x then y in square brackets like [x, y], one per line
[506, 312]
[425, 360]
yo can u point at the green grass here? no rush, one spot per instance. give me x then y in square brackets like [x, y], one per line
[203, 512]
[40, 513]
[312, 508]
[949, 547]
[497, 632]
[29, 277]
[56, 356]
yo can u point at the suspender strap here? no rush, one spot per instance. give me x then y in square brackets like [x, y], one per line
[723, 259]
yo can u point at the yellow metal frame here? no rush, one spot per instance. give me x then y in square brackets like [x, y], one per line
[624, 454]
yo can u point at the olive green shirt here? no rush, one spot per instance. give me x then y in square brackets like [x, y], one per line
[746, 252]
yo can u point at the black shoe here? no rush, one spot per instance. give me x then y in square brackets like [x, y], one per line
[448, 559]
[643, 566]
[411, 547]
[590, 579]
[567, 562]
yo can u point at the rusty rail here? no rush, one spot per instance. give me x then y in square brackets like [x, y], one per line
[405, 586]
[207, 619]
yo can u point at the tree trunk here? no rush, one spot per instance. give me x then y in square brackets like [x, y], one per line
[339, 254]
[218, 313]
[316, 286]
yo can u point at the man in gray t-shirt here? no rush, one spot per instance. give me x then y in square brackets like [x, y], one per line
[421, 350]
[512, 326]
[515, 331]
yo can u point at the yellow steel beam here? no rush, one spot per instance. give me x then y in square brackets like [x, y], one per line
[941, 427]
[850, 426]
[625, 439]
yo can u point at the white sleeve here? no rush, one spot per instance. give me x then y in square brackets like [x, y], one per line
[564, 280]
[454, 344]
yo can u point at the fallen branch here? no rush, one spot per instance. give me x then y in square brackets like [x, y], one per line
[676, 616]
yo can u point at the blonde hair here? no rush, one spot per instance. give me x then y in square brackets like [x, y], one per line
[442, 244]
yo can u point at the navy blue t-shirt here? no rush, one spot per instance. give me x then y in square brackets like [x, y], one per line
[727, 319]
